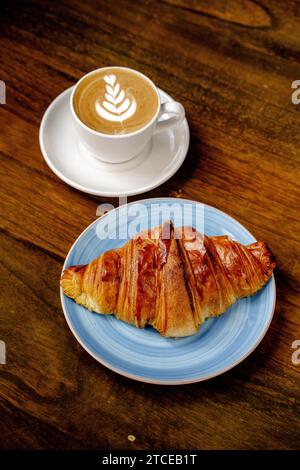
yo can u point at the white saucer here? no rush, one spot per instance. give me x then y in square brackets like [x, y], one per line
[61, 150]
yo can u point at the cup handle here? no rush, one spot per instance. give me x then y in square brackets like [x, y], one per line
[176, 114]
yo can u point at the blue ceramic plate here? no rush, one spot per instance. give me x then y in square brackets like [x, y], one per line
[144, 355]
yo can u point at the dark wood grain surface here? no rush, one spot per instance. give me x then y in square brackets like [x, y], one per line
[231, 64]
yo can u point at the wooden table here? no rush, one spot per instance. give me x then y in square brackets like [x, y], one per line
[231, 64]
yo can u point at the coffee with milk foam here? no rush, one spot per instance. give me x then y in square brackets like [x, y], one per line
[115, 101]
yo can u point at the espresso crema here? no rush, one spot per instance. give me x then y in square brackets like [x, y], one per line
[115, 101]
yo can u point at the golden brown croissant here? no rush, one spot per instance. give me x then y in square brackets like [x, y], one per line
[172, 279]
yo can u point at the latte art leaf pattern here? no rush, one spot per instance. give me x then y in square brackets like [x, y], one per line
[115, 100]
[116, 106]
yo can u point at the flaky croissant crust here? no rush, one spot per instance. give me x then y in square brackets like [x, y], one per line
[172, 279]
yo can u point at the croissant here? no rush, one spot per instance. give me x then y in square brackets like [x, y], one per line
[172, 279]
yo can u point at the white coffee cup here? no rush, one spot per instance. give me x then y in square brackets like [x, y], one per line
[119, 148]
